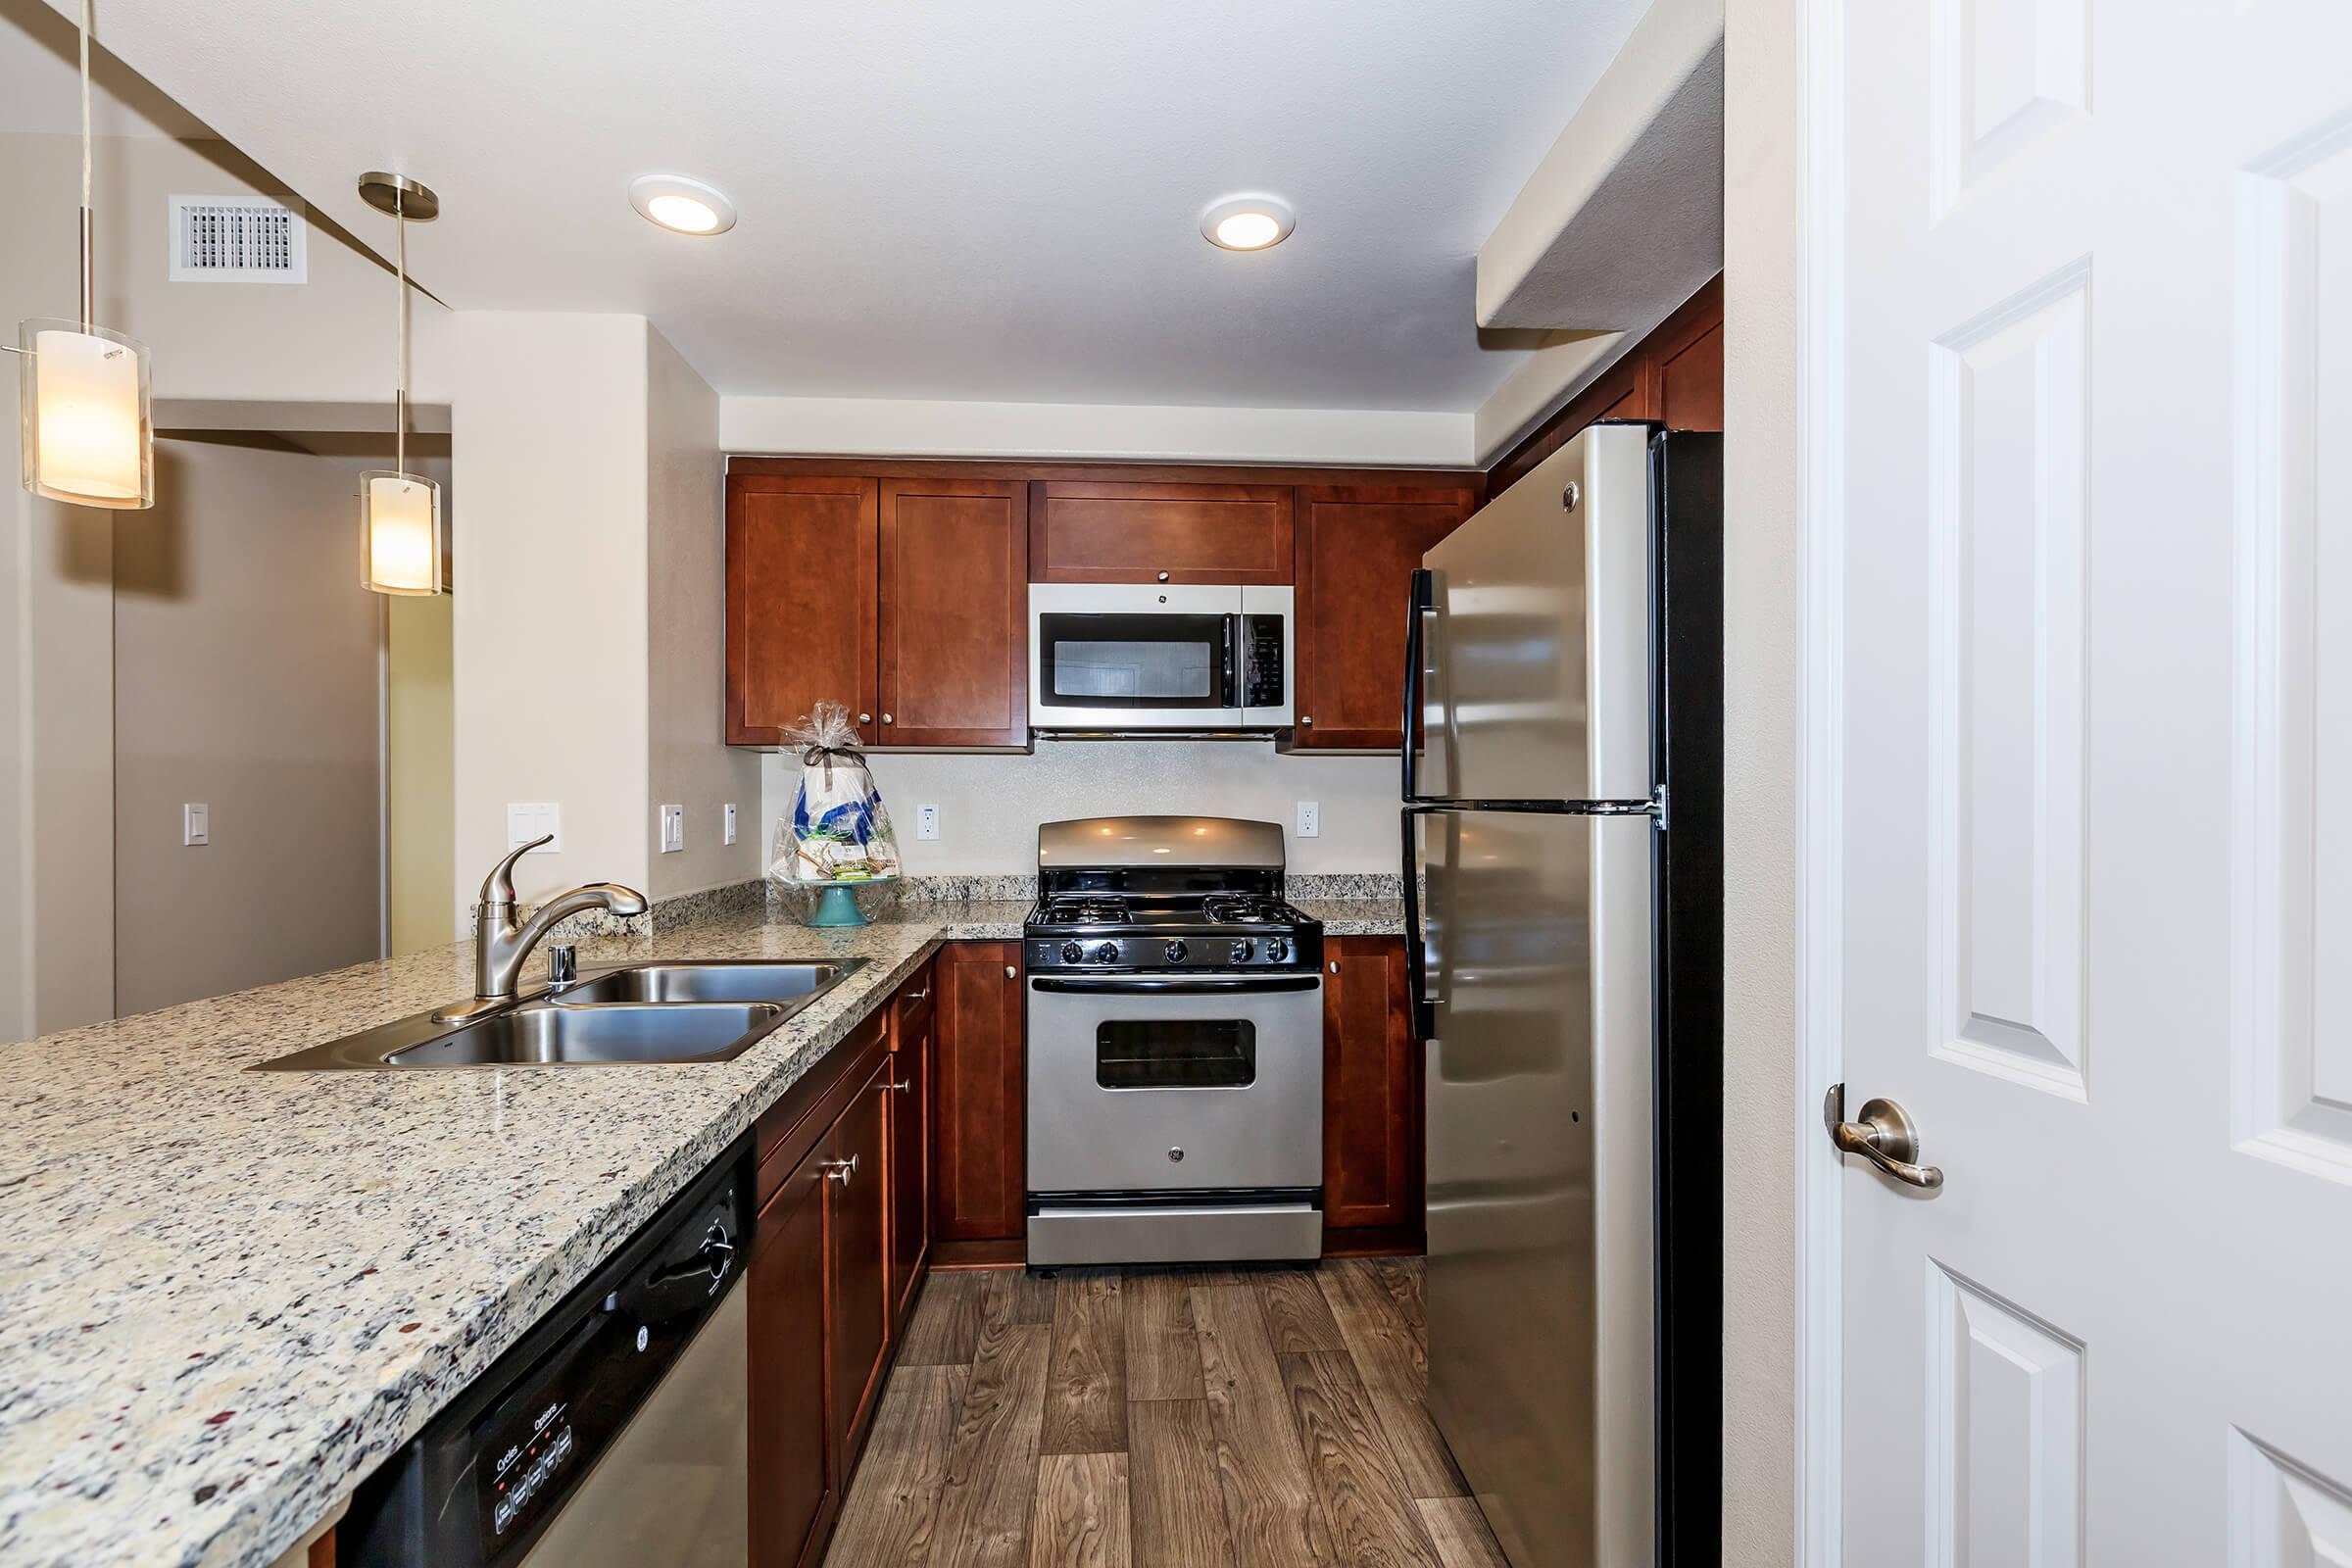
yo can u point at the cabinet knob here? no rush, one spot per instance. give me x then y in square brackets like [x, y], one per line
[902, 1088]
[1335, 966]
[1009, 972]
[1305, 720]
[885, 719]
[1163, 577]
[865, 718]
[840, 1170]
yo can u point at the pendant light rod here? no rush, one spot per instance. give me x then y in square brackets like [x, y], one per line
[90, 288]
[404, 199]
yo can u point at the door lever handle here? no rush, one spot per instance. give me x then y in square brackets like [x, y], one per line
[1886, 1135]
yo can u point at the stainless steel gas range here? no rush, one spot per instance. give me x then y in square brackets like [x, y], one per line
[1175, 1046]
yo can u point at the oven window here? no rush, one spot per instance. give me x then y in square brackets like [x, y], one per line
[1176, 1054]
[1133, 660]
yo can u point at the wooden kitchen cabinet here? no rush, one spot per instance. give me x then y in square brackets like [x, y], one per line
[954, 613]
[1356, 551]
[1093, 531]
[857, 1266]
[911, 1036]
[794, 1459]
[979, 1166]
[1372, 1099]
[802, 600]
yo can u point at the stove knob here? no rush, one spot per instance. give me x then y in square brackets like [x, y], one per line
[1072, 952]
[1242, 949]
[1277, 950]
[1176, 951]
[1107, 952]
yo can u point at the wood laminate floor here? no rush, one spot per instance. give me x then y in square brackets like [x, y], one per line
[1162, 1418]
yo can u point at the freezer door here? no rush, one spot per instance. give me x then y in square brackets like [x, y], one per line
[1536, 659]
[1542, 1221]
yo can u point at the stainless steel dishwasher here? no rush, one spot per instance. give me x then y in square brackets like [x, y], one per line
[614, 1433]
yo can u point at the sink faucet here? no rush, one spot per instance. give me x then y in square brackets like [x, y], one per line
[500, 944]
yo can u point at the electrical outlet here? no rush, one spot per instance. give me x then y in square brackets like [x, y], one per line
[195, 824]
[1310, 819]
[926, 822]
[728, 815]
[673, 829]
[528, 820]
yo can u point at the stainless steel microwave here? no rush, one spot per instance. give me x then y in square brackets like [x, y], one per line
[1146, 656]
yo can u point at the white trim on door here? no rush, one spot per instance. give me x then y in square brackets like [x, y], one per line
[1821, 708]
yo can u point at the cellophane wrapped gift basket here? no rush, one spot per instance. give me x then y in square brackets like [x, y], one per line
[835, 857]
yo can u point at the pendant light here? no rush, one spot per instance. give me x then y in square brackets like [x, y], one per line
[87, 426]
[400, 512]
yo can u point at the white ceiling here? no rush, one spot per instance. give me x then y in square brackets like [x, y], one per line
[40, 84]
[940, 199]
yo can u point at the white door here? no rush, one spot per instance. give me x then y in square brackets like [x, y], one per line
[2093, 760]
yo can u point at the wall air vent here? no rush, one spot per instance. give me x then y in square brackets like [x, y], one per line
[236, 239]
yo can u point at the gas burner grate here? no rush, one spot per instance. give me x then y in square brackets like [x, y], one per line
[1235, 909]
[1085, 911]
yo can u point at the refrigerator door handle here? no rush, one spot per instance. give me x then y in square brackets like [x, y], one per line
[1416, 949]
[1423, 602]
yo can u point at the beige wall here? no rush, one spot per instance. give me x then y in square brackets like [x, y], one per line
[990, 805]
[686, 564]
[419, 768]
[1761, 1120]
[246, 678]
[549, 450]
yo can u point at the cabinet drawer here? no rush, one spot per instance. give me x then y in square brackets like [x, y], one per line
[1106, 532]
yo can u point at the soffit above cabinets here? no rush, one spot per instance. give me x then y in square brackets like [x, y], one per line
[1623, 220]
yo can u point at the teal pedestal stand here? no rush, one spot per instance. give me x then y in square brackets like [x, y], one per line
[837, 906]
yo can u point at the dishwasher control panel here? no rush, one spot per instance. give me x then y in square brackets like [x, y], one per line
[483, 1480]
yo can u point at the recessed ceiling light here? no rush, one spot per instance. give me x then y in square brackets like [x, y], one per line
[1247, 222]
[681, 205]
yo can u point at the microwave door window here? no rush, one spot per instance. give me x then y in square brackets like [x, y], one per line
[1139, 661]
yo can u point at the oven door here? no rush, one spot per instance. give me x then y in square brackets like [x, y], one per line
[1124, 656]
[1144, 1084]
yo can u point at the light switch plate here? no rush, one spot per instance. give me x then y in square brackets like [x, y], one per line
[926, 822]
[728, 815]
[1310, 819]
[673, 829]
[195, 824]
[533, 820]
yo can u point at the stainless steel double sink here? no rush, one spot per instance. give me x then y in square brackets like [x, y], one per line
[639, 1012]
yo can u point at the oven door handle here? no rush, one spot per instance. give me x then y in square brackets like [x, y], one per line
[1173, 985]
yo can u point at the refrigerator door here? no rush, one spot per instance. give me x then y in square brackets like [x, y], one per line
[1540, 1275]
[1536, 659]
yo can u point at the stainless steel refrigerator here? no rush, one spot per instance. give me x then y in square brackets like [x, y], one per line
[1563, 792]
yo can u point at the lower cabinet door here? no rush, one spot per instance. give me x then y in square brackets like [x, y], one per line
[856, 1197]
[794, 1462]
[909, 1160]
[1372, 1137]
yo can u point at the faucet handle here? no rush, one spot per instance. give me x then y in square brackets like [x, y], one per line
[498, 886]
[562, 964]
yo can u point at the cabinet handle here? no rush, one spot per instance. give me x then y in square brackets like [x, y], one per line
[840, 1170]
[865, 718]
[902, 1088]
[1304, 720]
[923, 994]
[1335, 966]
[1163, 577]
[885, 719]
[1010, 974]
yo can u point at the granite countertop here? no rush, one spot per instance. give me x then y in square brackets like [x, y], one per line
[227, 1296]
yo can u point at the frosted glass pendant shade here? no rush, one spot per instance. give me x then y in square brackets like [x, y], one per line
[89, 433]
[400, 533]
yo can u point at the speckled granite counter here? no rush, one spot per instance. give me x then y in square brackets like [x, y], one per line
[226, 1295]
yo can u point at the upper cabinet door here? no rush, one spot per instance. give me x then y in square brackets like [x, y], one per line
[1357, 548]
[801, 602]
[1152, 532]
[955, 613]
